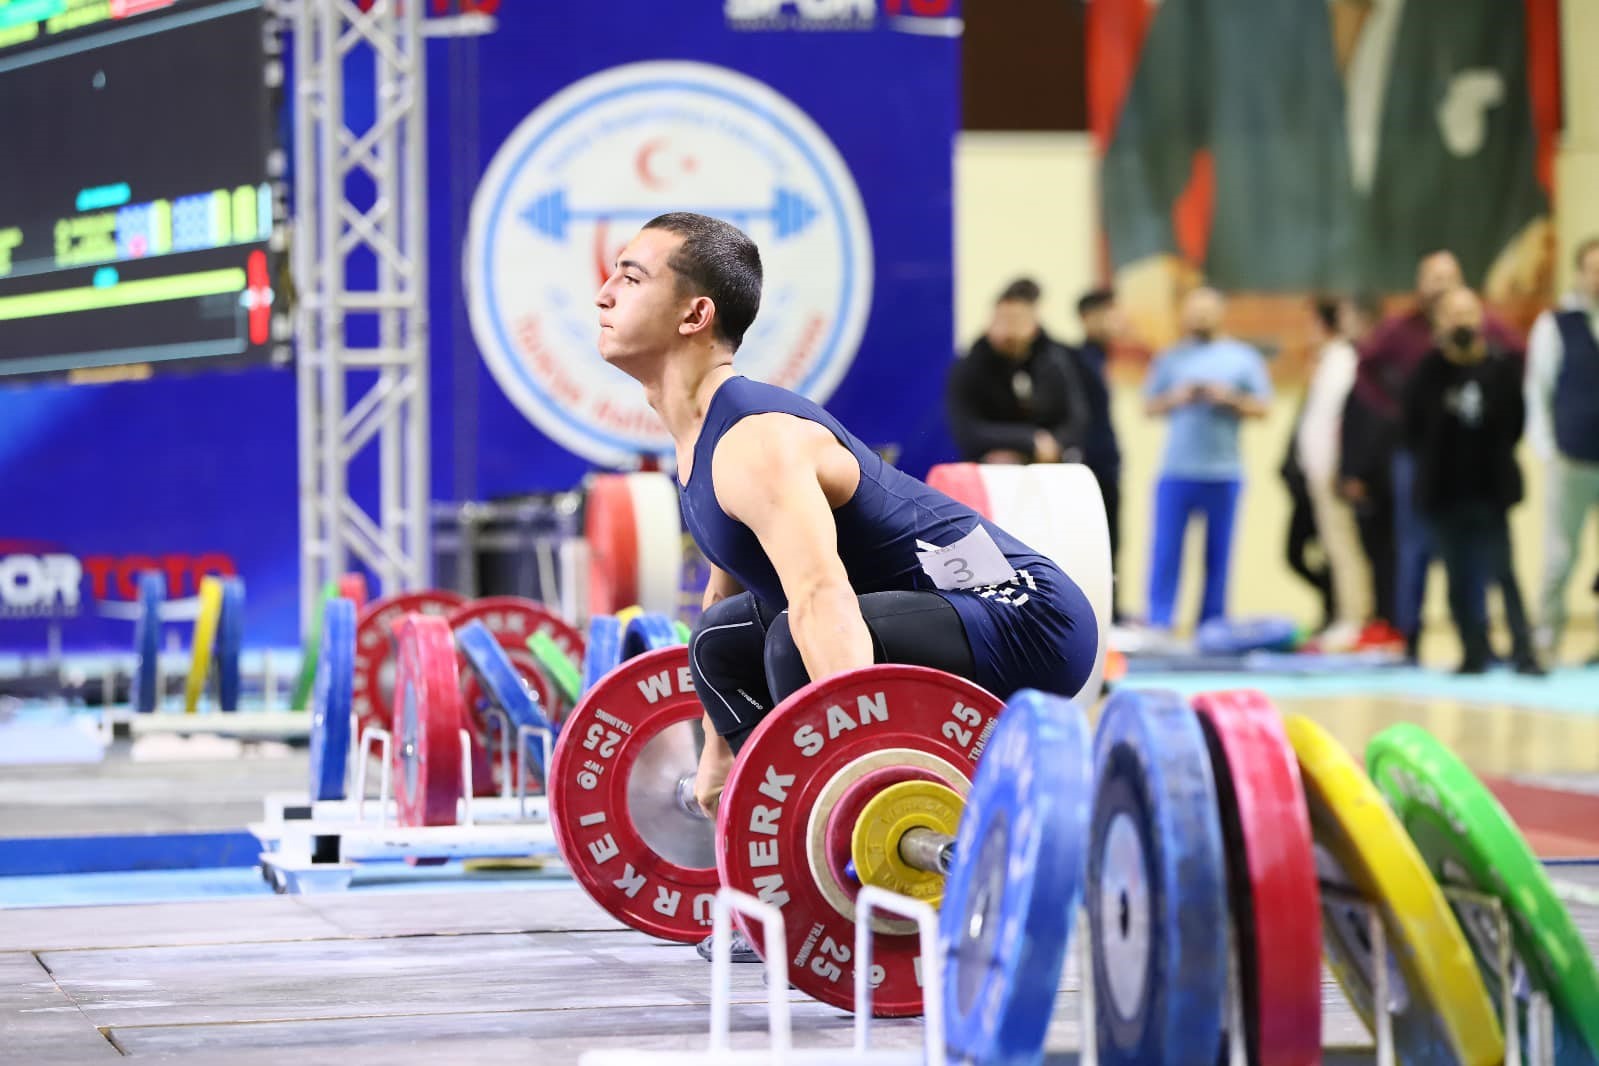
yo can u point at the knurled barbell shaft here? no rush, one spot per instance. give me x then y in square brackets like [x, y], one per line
[927, 850]
[687, 801]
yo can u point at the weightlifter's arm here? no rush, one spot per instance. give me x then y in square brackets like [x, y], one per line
[768, 471]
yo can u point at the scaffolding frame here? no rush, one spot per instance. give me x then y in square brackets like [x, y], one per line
[361, 383]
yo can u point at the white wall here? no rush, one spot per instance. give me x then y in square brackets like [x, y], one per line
[1024, 205]
[1577, 164]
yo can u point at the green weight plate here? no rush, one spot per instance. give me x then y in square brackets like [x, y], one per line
[1469, 841]
[313, 646]
[557, 666]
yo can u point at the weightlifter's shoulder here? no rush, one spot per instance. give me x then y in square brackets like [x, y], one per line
[770, 449]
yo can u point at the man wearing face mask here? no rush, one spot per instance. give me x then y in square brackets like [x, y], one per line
[1206, 385]
[1463, 414]
[1388, 359]
[1014, 399]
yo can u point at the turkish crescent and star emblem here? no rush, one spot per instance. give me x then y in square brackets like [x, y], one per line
[586, 169]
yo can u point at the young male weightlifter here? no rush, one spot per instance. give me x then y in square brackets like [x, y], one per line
[822, 553]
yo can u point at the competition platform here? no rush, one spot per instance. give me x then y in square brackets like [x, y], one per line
[473, 839]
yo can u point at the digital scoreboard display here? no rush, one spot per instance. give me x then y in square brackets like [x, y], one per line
[138, 160]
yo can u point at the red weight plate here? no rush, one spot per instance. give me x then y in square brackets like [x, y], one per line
[796, 767]
[840, 827]
[1271, 875]
[612, 535]
[427, 723]
[614, 798]
[352, 587]
[374, 650]
[963, 483]
[486, 775]
[486, 744]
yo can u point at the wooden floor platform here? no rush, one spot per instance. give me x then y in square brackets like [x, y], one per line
[519, 975]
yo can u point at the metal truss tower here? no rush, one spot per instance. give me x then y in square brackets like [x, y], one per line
[360, 271]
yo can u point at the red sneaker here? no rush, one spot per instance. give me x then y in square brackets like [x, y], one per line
[1380, 636]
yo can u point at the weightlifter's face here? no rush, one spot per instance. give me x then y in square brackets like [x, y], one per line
[641, 303]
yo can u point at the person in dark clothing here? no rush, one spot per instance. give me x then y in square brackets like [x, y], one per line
[1302, 532]
[1388, 359]
[1102, 326]
[1367, 442]
[1463, 414]
[1013, 399]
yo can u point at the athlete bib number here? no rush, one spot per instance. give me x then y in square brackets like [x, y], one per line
[974, 561]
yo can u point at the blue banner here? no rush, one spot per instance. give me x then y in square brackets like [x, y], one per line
[825, 128]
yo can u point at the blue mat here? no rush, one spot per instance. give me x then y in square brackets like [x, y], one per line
[180, 886]
[1572, 691]
[29, 856]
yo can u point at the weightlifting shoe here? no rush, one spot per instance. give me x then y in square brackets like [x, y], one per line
[740, 949]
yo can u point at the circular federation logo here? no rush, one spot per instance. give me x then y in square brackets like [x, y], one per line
[582, 173]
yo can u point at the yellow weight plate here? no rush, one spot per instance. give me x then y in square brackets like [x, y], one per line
[627, 614]
[1436, 994]
[205, 635]
[874, 842]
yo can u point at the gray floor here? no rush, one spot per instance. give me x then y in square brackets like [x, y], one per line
[523, 975]
[201, 784]
[531, 973]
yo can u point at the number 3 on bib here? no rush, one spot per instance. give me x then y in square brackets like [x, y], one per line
[974, 561]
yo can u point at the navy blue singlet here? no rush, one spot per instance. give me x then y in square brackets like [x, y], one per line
[1021, 632]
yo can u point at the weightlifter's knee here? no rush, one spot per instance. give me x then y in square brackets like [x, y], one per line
[785, 668]
[725, 659]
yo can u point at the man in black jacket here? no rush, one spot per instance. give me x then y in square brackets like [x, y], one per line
[1102, 327]
[1463, 414]
[1013, 399]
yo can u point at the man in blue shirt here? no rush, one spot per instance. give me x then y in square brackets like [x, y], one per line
[1206, 385]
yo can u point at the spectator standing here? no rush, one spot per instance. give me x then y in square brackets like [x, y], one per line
[1205, 385]
[1463, 414]
[1013, 399]
[1387, 362]
[1318, 439]
[1563, 431]
[1103, 326]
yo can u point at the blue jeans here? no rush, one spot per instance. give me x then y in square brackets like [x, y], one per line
[1414, 551]
[1176, 500]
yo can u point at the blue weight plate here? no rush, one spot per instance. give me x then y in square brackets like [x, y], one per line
[331, 698]
[230, 642]
[1011, 900]
[486, 658]
[1237, 636]
[603, 652]
[648, 632]
[147, 640]
[1157, 886]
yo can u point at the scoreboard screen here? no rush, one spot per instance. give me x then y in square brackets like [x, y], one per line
[139, 154]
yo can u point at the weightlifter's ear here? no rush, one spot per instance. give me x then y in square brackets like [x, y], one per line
[698, 318]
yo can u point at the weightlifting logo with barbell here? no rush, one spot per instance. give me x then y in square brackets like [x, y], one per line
[588, 167]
